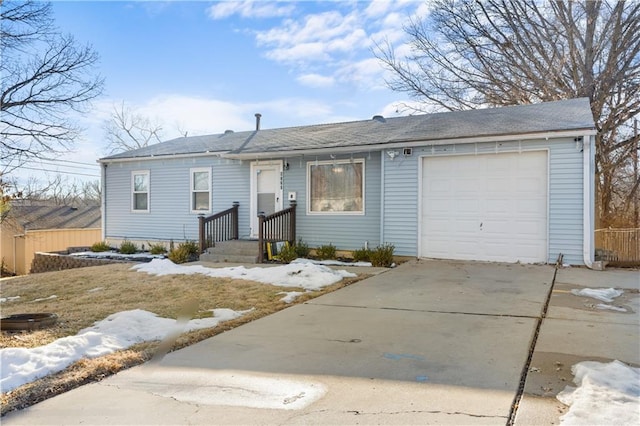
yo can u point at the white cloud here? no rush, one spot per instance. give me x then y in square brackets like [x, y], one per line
[367, 73]
[195, 115]
[325, 32]
[338, 42]
[250, 9]
[315, 80]
[377, 8]
[299, 53]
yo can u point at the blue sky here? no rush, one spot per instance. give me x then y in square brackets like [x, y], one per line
[205, 67]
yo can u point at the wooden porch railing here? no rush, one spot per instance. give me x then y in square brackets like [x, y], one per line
[218, 227]
[279, 226]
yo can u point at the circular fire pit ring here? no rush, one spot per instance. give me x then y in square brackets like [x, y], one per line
[20, 322]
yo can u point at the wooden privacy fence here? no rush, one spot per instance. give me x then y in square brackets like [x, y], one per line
[619, 246]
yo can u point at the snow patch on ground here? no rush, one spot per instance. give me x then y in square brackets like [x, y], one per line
[290, 296]
[332, 262]
[606, 394]
[42, 299]
[604, 306]
[116, 332]
[604, 294]
[305, 275]
[117, 255]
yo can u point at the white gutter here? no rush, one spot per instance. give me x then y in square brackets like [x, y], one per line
[408, 144]
[161, 157]
[588, 206]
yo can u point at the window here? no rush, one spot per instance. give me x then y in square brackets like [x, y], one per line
[200, 190]
[335, 187]
[140, 191]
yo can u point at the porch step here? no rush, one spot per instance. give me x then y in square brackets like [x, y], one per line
[235, 251]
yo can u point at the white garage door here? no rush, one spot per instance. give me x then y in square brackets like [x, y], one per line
[485, 207]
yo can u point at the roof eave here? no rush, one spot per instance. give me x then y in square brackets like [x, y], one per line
[408, 143]
[161, 157]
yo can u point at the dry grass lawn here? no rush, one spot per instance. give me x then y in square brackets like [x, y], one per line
[87, 295]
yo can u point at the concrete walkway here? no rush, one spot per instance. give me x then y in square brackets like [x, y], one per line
[428, 342]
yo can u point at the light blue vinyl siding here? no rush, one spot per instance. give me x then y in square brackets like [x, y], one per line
[400, 225]
[565, 197]
[346, 232]
[169, 216]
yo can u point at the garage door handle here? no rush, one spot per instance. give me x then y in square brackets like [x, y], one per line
[481, 226]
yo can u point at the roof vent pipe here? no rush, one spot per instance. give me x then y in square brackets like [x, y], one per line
[258, 115]
[379, 118]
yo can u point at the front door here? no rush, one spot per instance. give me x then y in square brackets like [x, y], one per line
[266, 190]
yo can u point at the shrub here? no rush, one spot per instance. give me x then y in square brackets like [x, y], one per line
[191, 246]
[302, 249]
[179, 255]
[326, 251]
[157, 248]
[362, 255]
[288, 253]
[185, 252]
[382, 255]
[100, 246]
[127, 247]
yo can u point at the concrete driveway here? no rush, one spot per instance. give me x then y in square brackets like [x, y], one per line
[427, 342]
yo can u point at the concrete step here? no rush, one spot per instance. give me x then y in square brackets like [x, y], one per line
[236, 251]
[233, 258]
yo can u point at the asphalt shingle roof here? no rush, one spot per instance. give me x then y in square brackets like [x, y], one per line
[32, 217]
[572, 114]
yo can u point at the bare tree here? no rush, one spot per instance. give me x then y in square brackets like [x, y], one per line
[58, 190]
[468, 54]
[46, 77]
[127, 130]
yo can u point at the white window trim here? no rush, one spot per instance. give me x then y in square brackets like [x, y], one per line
[191, 190]
[336, 162]
[133, 192]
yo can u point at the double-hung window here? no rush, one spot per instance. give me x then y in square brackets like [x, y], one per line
[335, 187]
[140, 191]
[201, 190]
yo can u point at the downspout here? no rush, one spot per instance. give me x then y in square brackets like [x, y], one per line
[588, 182]
[103, 201]
[382, 203]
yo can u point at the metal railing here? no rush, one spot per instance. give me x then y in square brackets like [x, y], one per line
[218, 227]
[276, 227]
[619, 246]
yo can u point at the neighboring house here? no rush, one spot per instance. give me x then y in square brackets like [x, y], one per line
[512, 184]
[35, 227]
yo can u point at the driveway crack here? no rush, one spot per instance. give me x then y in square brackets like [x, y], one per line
[532, 346]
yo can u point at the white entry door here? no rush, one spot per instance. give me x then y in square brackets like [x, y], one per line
[490, 207]
[266, 190]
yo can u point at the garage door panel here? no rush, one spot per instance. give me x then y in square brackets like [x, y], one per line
[497, 185]
[531, 208]
[468, 227]
[498, 206]
[439, 207]
[532, 185]
[485, 207]
[464, 207]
